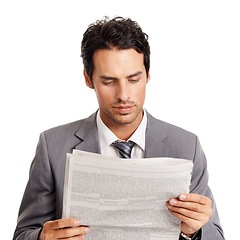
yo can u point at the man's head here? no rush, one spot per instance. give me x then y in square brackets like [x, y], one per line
[116, 65]
[117, 33]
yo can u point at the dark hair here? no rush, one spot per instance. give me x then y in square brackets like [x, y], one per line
[117, 32]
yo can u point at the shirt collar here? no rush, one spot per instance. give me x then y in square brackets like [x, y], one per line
[106, 136]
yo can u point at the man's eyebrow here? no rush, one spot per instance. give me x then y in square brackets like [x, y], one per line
[108, 78]
[134, 74]
[114, 78]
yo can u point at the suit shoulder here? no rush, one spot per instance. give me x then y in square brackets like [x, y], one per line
[181, 143]
[65, 129]
[170, 129]
[61, 139]
[176, 137]
[176, 130]
[67, 132]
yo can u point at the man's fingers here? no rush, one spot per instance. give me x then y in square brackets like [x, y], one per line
[197, 198]
[64, 228]
[62, 223]
[71, 232]
[193, 210]
[187, 213]
[196, 207]
[193, 202]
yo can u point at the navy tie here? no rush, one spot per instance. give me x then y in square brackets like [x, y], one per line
[124, 148]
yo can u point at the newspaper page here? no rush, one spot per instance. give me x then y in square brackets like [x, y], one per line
[124, 198]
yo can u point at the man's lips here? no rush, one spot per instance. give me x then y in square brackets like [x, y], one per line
[123, 108]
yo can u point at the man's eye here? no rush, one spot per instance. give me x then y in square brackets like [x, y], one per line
[108, 82]
[134, 80]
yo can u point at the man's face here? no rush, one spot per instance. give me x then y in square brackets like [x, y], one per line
[119, 79]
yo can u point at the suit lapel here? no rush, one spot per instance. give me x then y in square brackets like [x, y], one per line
[88, 134]
[155, 145]
[156, 139]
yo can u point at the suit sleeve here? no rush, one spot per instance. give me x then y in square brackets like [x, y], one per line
[199, 185]
[38, 203]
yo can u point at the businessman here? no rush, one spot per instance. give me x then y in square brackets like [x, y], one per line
[116, 59]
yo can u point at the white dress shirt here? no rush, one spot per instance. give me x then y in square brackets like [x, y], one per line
[107, 137]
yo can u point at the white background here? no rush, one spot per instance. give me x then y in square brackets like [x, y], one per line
[195, 70]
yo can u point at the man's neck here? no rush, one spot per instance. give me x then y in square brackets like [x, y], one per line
[124, 132]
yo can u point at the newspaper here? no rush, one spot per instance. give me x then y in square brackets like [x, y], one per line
[124, 198]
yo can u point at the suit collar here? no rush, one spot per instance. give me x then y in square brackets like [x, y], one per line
[156, 139]
[88, 134]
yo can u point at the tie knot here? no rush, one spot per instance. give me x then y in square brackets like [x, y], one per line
[124, 148]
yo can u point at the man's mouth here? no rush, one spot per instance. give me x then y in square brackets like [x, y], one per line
[123, 108]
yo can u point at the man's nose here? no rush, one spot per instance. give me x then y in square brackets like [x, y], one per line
[122, 91]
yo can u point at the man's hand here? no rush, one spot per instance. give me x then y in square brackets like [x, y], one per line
[63, 229]
[193, 210]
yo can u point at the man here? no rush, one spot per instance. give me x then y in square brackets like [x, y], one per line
[116, 58]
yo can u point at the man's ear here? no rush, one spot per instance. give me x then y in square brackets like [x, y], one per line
[148, 78]
[88, 80]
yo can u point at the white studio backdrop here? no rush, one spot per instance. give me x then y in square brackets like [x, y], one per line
[195, 60]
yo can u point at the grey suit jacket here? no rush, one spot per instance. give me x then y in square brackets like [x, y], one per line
[42, 200]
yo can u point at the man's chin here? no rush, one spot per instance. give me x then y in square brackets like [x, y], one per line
[125, 119]
[122, 119]
[122, 122]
